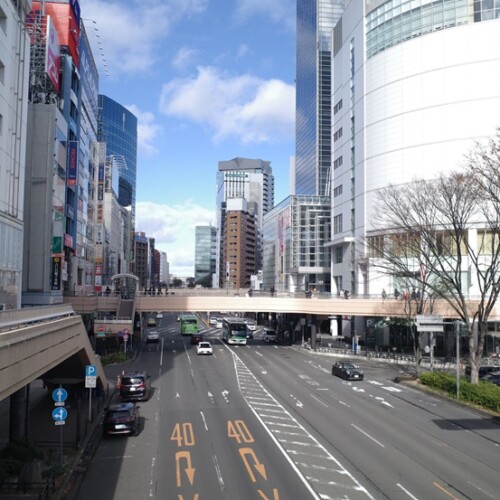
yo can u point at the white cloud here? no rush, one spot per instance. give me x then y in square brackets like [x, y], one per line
[172, 226]
[147, 130]
[280, 11]
[128, 33]
[252, 109]
[184, 58]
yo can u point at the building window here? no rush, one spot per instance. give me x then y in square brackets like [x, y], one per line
[338, 254]
[338, 134]
[337, 107]
[337, 224]
[337, 191]
[338, 162]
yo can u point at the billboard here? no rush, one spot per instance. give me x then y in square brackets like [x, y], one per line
[65, 22]
[72, 170]
[52, 54]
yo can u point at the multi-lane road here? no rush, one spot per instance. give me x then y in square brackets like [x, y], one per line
[271, 422]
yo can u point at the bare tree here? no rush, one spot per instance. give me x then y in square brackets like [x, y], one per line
[444, 235]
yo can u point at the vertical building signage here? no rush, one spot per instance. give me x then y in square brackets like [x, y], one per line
[72, 162]
[52, 54]
[56, 273]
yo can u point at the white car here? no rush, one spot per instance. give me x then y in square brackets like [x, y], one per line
[251, 324]
[212, 321]
[152, 336]
[204, 348]
[270, 335]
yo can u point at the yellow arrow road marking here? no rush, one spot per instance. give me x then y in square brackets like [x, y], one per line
[265, 497]
[186, 455]
[244, 452]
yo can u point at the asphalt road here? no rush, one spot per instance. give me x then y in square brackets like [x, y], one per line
[271, 422]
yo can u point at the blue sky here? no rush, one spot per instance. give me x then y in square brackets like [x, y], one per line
[208, 80]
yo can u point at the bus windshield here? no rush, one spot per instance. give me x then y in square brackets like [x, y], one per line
[234, 331]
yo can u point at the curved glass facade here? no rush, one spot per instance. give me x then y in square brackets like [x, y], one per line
[396, 21]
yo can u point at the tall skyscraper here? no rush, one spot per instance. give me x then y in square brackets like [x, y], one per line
[313, 135]
[253, 181]
[118, 129]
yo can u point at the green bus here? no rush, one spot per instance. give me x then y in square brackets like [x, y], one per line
[189, 324]
[234, 331]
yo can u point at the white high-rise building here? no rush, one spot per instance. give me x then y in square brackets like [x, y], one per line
[415, 84]
[253, 181]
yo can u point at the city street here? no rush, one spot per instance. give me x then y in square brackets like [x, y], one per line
[270, 421]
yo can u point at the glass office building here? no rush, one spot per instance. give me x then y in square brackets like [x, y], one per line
[313, 134]
[118, 129]
[205, 254]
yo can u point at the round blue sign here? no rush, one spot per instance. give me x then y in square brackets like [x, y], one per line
[59, 395]
[59, 414]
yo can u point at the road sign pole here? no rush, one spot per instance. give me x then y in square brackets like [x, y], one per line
[90, 404]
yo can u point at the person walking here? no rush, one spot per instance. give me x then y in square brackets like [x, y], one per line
[384, 294]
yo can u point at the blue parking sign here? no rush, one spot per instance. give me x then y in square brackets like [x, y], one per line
[90, 371]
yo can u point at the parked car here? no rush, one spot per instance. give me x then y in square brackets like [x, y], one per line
[483, 370]
[152, 337]
[196, 338]
[204, 348]
[269, 335]
[212, 321]
[122, 418]
[347, 370]
[218, 324]
[493, 377]
[135, 386]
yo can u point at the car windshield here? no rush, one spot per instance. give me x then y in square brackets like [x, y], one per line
[131, 380]
[204, 344]
[118, 414]
[349, 366]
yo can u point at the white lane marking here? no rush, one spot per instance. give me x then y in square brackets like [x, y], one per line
[152, 479]
[368, 435]
[407, 492]
[391, 389]
[225, 396]
[345, 404]
[481, 490]
[375, 382]
[319, 401]
[219, 473]
[357, 389]
[204, 421]
[259, 353]
[297, 402]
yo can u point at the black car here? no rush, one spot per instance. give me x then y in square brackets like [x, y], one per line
[135, 386]
[347, 370]
[122, 418]
[493, 377]
[196, 338]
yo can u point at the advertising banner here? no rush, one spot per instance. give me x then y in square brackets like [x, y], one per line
[72, 162]
[56, 273]
[52, 54]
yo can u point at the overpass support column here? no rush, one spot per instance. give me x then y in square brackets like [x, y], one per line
[19, 415]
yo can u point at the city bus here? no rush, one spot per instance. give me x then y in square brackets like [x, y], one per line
[234, 331]
[189, 324]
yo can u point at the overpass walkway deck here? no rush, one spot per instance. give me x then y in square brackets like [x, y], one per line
[35, 340]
